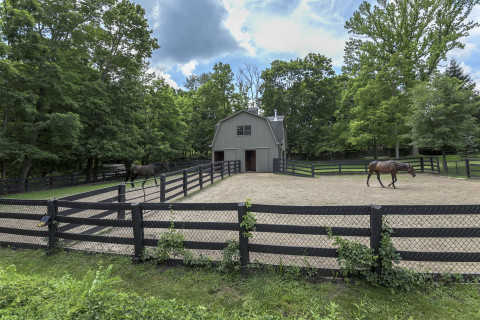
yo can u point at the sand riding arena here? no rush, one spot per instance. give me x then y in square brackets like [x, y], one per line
[321, 194]
[340, 190]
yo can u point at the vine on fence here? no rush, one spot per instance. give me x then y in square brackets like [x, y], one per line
[249, 221]
[356, 259]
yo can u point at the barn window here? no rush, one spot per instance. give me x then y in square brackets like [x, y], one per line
[244, 130]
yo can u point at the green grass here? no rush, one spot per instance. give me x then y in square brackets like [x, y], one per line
[58, 193]
[216, 295]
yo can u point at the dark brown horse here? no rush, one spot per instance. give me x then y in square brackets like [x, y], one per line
[389, 166]
[147, 171]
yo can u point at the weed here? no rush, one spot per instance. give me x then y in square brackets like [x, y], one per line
[230, 257]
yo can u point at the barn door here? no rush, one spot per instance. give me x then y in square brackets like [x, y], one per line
[218, 156]
[250, 160]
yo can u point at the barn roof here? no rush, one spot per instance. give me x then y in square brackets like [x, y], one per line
[276, 126]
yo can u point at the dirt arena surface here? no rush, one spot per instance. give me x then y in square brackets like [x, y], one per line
[269, 188]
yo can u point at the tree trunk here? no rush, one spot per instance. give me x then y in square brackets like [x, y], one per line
[3, 169]
[415, 151]
[26, 166]
[397, 145]
[89, 169]
[27, 162]
[375, 149]
[95, 169]
[444, 157]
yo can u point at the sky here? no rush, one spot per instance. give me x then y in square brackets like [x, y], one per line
[195, 34]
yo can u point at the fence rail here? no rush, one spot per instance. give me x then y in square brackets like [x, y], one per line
[10, 186]
[430, 238]
[180, 183]
[316, 168]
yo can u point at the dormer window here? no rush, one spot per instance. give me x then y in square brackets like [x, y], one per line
[244, 130]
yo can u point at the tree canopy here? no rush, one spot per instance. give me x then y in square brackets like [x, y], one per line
[77, 90]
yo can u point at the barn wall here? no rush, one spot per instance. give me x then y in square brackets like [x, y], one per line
[261, 140]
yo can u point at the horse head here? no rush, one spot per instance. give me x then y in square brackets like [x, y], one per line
[411, 170]
[163, 165]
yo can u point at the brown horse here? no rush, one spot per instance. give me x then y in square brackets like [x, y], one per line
[147, 171]
[389, 166]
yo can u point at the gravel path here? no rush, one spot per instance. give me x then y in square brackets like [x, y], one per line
[268, 188]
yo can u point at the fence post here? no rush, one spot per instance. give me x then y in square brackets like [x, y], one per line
[431, 163]
[422, 165]
[185, 185]
[376, 215]
[313, 169]
[137, 220]
[162, 187]
[211, 171]
[339, 167]
[121, 198]
[243, 241]
[200, 176]
[26, 184]
[228, 168]
[467, 168]
[51, 182]
[52, 210]
[222, 164]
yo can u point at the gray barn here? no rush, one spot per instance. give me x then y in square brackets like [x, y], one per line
[250, 138]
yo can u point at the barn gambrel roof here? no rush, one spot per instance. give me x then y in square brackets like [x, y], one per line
[276, 126]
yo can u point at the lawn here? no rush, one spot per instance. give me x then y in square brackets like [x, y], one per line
[181, 292]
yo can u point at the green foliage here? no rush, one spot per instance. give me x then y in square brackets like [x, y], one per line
[443, 114]
[230, 257]
[248, 221]
[305, 91]
[356, 259]
[264, 294]
[27, 297]
[170, 245]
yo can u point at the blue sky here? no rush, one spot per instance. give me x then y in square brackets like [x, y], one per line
[195, 34]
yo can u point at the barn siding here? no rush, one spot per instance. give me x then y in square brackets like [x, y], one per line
[261, 140]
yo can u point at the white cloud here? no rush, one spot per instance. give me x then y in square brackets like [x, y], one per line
[187, 68]
[237, 16]
[167, 77]
[287, 28]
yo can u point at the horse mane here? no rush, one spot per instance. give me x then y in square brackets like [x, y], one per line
[402, 165]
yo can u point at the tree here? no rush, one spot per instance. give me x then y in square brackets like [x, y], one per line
[418, 33]
[209, 104]
[405, 40]
[305, 90]
[249, 81]
[443, 114]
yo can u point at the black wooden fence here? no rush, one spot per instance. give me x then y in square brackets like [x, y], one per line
[316, 168]
[434, 239]
[472, 168]
[10, 186]
[180, 183]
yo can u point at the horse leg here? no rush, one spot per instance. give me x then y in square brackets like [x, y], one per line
[378, 177]
[369, 174]
[394, 179]
[146, 177]
[133, 178]
[155, 179]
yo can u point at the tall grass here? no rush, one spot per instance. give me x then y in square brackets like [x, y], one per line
[79, 285]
